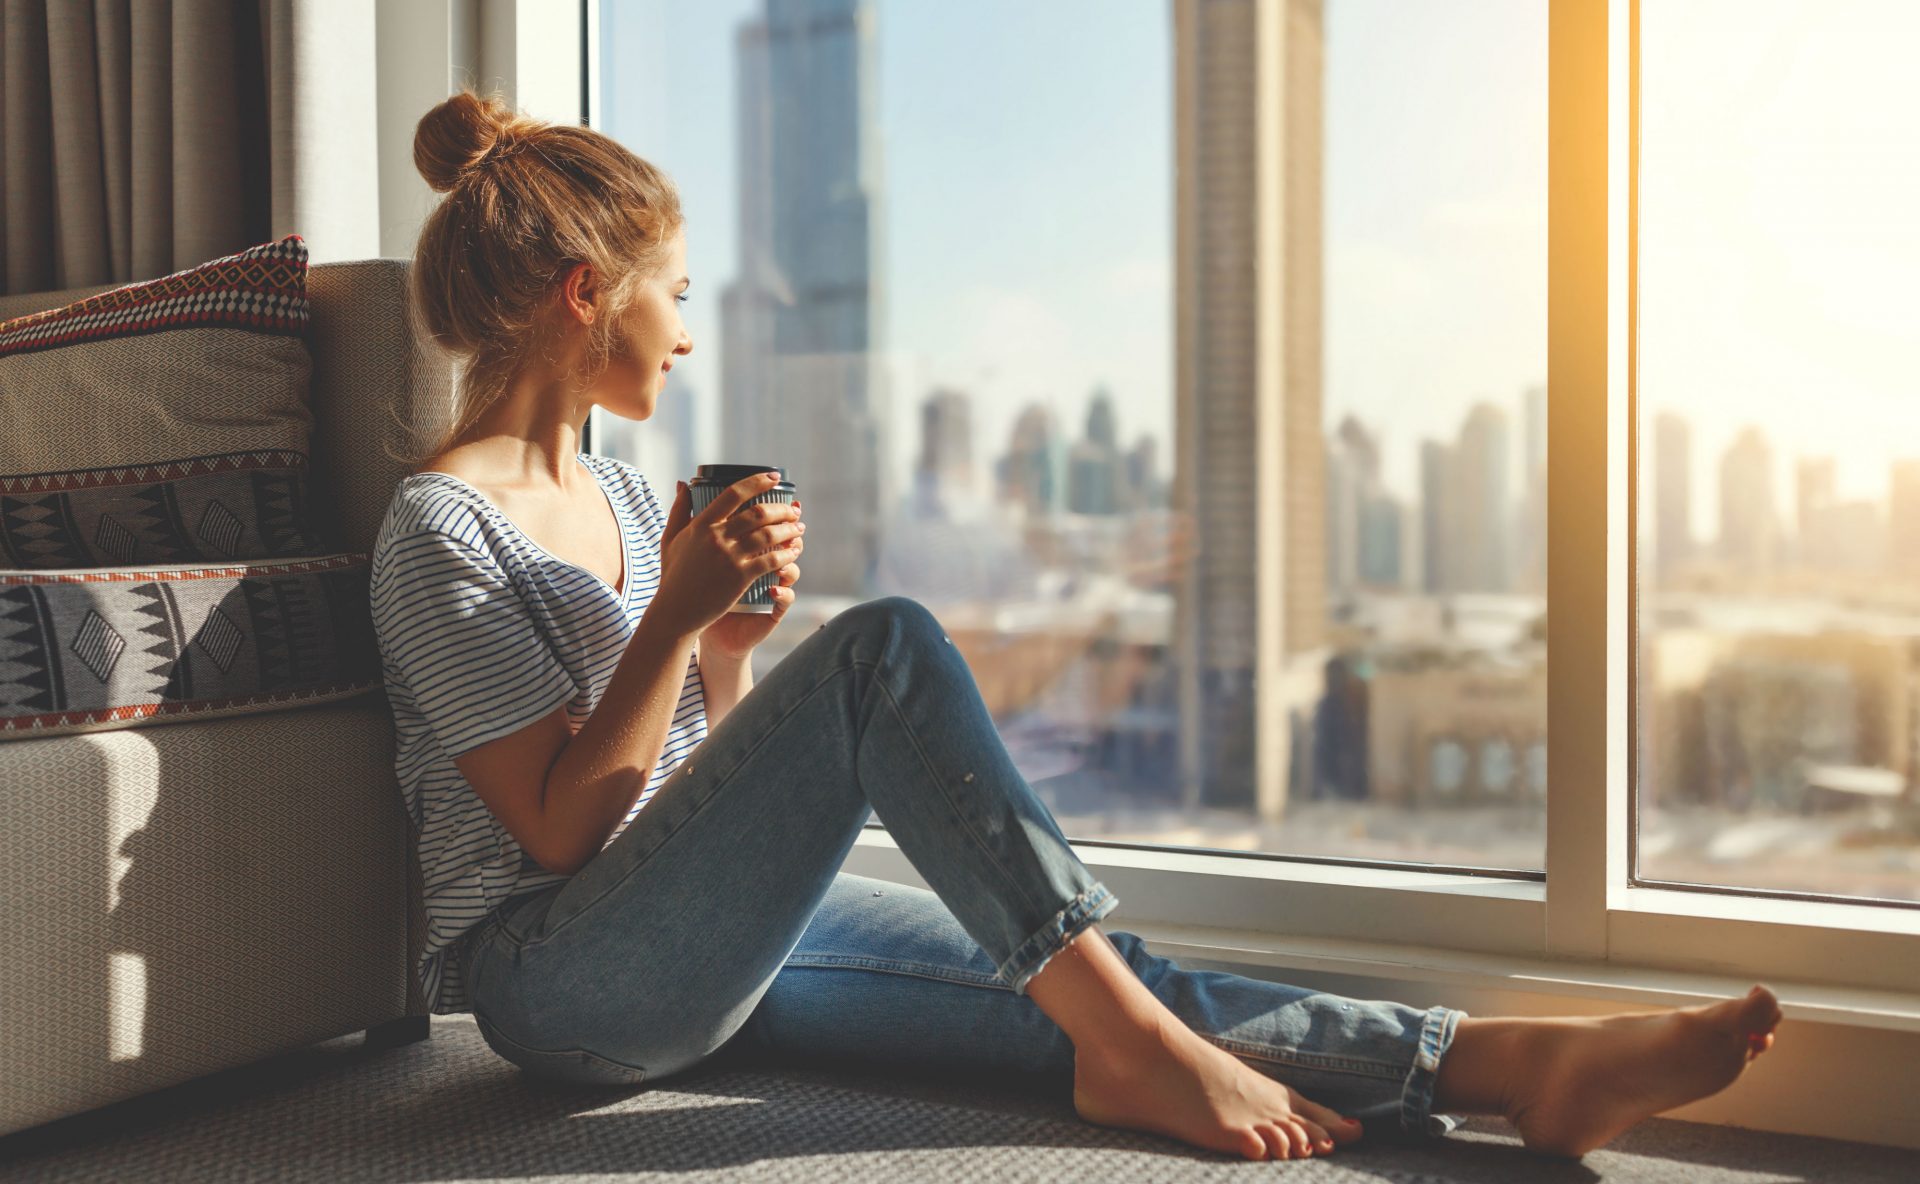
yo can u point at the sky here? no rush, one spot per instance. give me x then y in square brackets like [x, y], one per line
[1780, 179]
[1026, 202]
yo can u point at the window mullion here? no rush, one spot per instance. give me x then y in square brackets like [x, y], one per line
[1583, 734]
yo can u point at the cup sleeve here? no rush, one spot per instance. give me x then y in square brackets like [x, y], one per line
[462, 644]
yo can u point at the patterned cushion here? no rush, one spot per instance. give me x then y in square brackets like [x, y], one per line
[165, 422]
[92, 649]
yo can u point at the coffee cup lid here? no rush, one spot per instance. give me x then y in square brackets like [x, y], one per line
[729, 474]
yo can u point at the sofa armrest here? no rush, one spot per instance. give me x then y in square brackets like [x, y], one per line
[378, 386]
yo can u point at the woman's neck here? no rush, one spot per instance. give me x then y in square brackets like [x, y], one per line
[530, 438]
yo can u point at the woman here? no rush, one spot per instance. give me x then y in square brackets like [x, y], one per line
[618, 896]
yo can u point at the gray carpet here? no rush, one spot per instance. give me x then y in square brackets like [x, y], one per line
[448, 1109]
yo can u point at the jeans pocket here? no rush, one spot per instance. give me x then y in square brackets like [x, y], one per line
[566, 1064]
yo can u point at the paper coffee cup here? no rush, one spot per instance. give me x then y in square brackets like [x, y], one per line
[706, 485]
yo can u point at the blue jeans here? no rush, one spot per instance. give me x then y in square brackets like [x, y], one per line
[719, 925]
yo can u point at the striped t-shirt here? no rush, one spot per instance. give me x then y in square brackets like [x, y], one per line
[482, 632]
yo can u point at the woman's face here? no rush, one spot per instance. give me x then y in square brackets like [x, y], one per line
[649, 341]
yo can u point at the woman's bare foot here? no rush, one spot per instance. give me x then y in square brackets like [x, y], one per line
[1177, 1084]
[1598, 1076]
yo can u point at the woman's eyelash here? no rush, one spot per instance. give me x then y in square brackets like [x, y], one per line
[682, 299]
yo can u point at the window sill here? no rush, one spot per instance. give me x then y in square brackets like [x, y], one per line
[1665, 947]
[1859, 918]
[1637, 986]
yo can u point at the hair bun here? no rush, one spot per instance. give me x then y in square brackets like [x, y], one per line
[458, 134]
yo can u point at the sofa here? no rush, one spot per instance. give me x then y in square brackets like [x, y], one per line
[192, 896]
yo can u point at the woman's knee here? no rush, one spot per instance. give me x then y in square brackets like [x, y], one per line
[886, 615]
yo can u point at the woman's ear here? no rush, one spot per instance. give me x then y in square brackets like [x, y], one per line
[580, 293]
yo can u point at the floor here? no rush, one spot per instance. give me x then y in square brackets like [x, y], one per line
[447, 1109]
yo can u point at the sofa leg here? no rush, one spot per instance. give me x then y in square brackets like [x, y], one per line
[393, 1033]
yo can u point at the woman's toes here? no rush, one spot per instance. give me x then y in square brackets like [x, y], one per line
[1273, 1141]
[1332, 1123]
[1759, 1011]
[1297, 1136]
[1316, 1135]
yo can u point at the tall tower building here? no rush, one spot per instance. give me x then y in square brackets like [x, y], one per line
[1815, 542]
[1478, 530]
[1096, 472]
[1250, 613]
[1352, 484]
[801, 383]
[1029, 473]
[1672, 493]
[1749, 526]
[1436, 494]
[1531, 568]
[943, 476]
[1903, 519]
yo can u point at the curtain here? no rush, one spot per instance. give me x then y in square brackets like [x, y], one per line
[142, 137]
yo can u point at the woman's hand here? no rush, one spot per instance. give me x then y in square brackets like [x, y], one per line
[734, 635]
[709, 560]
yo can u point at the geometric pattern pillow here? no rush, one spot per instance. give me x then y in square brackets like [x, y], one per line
[95, 649]
[165, 421]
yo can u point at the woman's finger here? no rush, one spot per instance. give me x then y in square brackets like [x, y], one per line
[770, 561]
[773, 539]
[758, 516]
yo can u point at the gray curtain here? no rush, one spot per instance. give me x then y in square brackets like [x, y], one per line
[143, 137]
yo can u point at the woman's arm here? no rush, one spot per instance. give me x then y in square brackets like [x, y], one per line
[724, 681]
[560, 793]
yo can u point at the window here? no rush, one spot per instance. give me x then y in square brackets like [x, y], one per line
[1778, 645]
[1331, 568]
[996, 304]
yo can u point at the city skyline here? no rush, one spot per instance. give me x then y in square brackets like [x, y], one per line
[1435, 225]
[1787, 213]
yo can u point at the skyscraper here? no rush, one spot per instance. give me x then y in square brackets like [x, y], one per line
[1814, 544]
[1029, 472]
[1903, 518]
[1436, 493]
[1353, 482]
[1096, 472]
[1749, 524]
[1672, 493]
[801, 387]
[943, 476]
[1478, 526]
[1531, 568]
[1250, 614]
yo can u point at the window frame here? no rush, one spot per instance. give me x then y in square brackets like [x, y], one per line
[1586, 910]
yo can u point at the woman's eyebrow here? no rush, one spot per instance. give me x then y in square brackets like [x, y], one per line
[685, 282]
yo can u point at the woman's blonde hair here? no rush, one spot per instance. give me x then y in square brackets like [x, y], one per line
[526, 201]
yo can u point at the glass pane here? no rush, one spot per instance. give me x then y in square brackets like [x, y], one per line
[987, 279]
[1779, 501]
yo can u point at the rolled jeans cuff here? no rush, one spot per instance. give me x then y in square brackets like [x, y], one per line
[1416, 1101]
[1034, 953]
